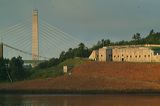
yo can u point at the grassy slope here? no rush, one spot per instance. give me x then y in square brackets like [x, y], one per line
[73, 62]
[55, 71]
[99, 76]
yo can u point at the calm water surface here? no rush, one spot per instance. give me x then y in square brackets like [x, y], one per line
[79, 100]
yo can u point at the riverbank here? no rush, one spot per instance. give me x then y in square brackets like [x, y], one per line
[95, 78]
[83, 92]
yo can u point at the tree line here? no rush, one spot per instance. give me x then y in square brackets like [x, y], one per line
[12, 70]
[137, 39]
[80, 51]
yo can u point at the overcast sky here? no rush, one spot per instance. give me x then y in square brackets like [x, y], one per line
[87, 20]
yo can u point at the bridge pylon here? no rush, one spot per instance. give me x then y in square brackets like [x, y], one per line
[35, 36]
[1, 50]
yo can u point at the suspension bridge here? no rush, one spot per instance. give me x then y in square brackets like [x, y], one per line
[35, 39]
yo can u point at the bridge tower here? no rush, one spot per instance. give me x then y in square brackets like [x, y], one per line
[35, 37]
[1, 50]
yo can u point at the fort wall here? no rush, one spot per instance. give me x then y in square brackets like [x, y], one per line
[128, 54]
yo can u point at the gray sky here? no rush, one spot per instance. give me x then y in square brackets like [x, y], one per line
[87, 20]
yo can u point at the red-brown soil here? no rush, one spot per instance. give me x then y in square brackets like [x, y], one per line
[99, 76]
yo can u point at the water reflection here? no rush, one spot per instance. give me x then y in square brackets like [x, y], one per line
[79, 100]
[10, 100]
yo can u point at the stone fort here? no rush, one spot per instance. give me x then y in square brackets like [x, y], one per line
[130, 53]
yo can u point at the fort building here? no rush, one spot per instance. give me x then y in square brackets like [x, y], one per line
[137, 53]
[132, 54]
[105, 54]
[94, 55]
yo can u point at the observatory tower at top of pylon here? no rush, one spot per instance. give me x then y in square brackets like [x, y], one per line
[35, 12]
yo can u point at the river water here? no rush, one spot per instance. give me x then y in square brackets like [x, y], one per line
[79, 100]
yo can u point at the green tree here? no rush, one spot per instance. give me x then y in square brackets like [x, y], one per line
[107, 42]
[16, 68]
[136, 36]
[62, 56]
[53, 62]
[3, 70]
[43, 65]
[81, 46]
[151, 32]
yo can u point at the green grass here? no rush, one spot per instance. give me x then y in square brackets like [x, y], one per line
[56, 70]
[73, 62]
[45, 73]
